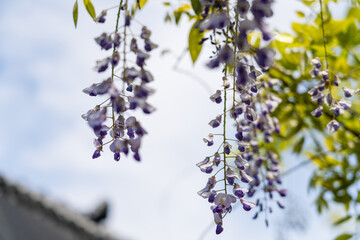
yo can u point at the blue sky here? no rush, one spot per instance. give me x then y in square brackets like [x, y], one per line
[44, 65]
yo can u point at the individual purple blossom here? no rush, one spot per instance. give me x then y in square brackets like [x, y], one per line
[317, 112]
[265, 57]
[117, 156]
[214, 63]
[99, 88]
[241, 163]
[102, 65]
[101, 17]
[96, 154]
[231, 176]
[316, 63]
[227, 148]
[337, 80]
[333, 126]
[206, 165]
[242, 77]
[96, 119]
[219, 229]
[344, 104]
[245, 178]
[239, 191]
[209, 139]
[282, 192]
[215, 122]
[216, 97]
[127, 18]
[325, 75]
[247, 205]
[149, 46]
[104, 41]
[348, 92]
[226, 55]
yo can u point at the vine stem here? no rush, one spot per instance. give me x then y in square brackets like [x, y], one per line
[224, 122]
[323, 33]
[113, 67]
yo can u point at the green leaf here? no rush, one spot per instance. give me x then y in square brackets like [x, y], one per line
[194, 38]
[342, 220]
[138, 4]
[300, 14]
[75, 13]
[141, 3]
[298, 146]
[344, 236]
[90, 8]
[196, 6]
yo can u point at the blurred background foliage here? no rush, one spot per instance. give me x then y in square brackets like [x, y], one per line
[336, 157]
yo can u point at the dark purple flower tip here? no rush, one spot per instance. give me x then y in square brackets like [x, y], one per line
[137, 156]
[227, 149]
[147, 47]
[92, 93]
[214, 63]
[241, 148]
[129, 88]
[239, 193]
[130, 133]
[96, 154]
[217, 209]
[215, 124]
[318, 114]
[282, 192]
[254, 89]
[318, 65]
[239, 136]
[210, 143]
[208, 170]
[247, 101]
[316, 72]
[249, 117]
[230, 180]
[219, 229]
[278, 180]
[337, 112]
[211, 198]
[117, 156]
[320, 101]
[127, 19]
[348, 94]
[244, 180]
[325, 77]
[101, 19]
[218, 99]
[280, 205]
[246, 207]
[270, 182]
[266, 36]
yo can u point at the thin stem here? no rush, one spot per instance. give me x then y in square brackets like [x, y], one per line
[113, 67]
[224, 123]
[323, 33]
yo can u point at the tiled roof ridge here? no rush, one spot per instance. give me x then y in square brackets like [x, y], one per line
[60, 213]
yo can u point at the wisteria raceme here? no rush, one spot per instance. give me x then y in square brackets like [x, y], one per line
[124, 92]
[321, 93]
[243, 165]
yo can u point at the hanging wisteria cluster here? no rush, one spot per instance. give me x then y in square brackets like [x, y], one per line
[321, 93]
[243, 163]
[125, 89]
